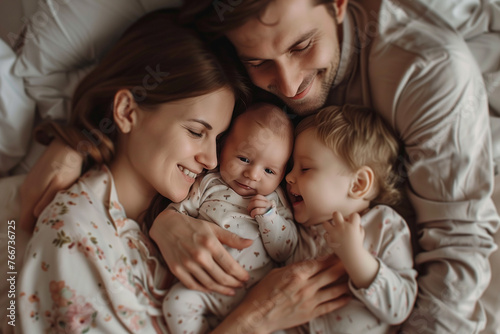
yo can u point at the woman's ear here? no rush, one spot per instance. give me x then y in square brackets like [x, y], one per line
[124, 110]
[340, 9]
[362, 183]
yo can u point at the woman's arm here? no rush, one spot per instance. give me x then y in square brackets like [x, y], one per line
[193, 251]
[58, 168]
[288, 297]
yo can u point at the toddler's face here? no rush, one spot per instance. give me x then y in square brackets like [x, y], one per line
[253, 159]
[319, 182]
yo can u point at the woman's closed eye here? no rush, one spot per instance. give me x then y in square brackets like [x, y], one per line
[194, 133]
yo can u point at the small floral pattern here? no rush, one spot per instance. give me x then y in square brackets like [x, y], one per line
[211, 199]
[90, 269]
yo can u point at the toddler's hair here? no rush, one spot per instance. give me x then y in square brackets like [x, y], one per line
[361, 138]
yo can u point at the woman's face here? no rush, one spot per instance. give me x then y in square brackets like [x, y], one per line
[171, 145]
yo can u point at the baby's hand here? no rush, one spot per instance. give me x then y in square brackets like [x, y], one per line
[258, 205]
[344, 236]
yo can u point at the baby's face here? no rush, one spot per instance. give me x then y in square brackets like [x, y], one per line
[319, 182]
[253, 160]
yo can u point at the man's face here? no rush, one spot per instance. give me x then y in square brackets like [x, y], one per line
[291, 50]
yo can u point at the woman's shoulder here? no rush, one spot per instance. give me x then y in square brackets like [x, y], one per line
[82, 205]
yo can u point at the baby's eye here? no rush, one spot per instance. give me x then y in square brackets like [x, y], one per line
[269, 171]
[244, 159]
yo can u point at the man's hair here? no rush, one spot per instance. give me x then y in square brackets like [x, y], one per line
[360, 137]
[215, 18]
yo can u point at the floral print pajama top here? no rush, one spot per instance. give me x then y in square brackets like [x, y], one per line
[90, 269]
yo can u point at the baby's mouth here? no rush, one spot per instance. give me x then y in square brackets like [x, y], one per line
[295, 198]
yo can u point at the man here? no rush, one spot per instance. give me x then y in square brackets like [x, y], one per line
[407, 64]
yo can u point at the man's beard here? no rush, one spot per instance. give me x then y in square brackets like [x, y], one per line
[311, 105]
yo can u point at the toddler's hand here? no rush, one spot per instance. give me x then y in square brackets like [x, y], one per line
[258, 205]
[344, 235]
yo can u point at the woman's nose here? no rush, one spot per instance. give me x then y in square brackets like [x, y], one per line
[290, 179]
[208, 157]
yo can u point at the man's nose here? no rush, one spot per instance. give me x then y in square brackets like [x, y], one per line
[288, 77]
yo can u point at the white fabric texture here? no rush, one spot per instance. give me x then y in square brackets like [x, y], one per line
[17, 112]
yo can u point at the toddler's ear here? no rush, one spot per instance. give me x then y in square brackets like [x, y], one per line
[124, 110]
[362, 183]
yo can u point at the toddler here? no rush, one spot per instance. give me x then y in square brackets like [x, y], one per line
[243, 197]
[342, 175]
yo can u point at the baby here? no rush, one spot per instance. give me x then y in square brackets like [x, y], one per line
[244, 197]
[342, 173]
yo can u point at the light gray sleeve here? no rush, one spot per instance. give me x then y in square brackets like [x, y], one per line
[441, 113]
[393, 292]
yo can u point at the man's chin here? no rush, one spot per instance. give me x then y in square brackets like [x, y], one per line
[303, 108]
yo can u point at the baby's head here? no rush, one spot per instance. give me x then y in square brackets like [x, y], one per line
[256, 150]
[343, 160]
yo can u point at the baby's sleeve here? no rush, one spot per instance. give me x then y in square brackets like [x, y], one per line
[277, 229]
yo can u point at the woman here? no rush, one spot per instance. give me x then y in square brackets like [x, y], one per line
[149, 115]
[148, 118]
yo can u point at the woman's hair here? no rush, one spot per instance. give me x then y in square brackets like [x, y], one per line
[361, 138]
[158, 61]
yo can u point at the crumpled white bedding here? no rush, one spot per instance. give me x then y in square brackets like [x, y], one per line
[63, 41]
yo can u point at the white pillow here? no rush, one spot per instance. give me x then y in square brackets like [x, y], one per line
[63, 40]
[17, 112]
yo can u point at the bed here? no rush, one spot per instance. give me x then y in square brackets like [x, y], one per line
[62, 40]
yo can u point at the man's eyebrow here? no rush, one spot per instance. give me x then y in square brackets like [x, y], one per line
[305, 36]
[202, 122]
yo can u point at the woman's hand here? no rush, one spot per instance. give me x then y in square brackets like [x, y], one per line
[290, 296]
[193, 251]
[57, 169]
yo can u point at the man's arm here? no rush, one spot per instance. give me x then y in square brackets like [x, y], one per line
[441, 115]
